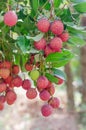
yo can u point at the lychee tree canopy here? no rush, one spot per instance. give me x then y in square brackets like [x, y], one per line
[16, 43]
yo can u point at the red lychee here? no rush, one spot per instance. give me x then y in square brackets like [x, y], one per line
[4, 73]
[40, 45]
[51, 89]
[15, 69]
[48, 50]
[60, 81]
[56, 43]
[26, 84]
[44, 95]
[57, 27]
[2, 87]
[10, 18]
[46, 110]
[54, 102]
[8, 79]
[2, 99]
[1, 106]
[5, 64]
[43, 25]
[11, 97]
[28, 66]
[31, 93]
[64, 36]
[42, 82]
[16, 81]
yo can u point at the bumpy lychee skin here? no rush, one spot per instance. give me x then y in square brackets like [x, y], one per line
[44, 95]
[43, 25]
[34, 74]
[31, 93]
[4, 73]
[28, 66]
[16, 81]
[5, 64]
[48, 50]
[46, 110]
[40, 45]
[2, 87]
[26, 84]
[56, 43]
[1, 106]
[54, 102]
[15, 69]
[8, 79]
[57, 27]
[64, 36]
[51, 89]
[2, 99]
[11, 97]
[10, 18]
[42, 82]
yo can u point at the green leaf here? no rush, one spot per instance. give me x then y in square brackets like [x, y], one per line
[59, 73]
[80, 7]
[37, 37]
[59, 59]
[57, 3]
[51, 77]
[44, 4]
[34, 5]
[78, 1]
[77, 41]
[75, 29]
[59, 56]
[23, 43]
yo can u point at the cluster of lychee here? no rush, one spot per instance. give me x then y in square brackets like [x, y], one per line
[46, 44]
[9, 78]
[9, 72]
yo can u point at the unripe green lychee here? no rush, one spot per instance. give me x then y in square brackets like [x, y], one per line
[34, 74]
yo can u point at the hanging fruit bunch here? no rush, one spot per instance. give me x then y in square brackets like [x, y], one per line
[38, 53]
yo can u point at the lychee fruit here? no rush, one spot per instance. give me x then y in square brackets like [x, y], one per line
[11, 97]
[8, 79]
[46, 110]
[60, 81]
[4, 73]
[15, 69]
[34, 74]
[26, 84]
[40, 45]
[5, 64]
[44, 95]
[56, 43]
[2, 99]
[42, 82]
[43, 25]
[48, 50]
[31, 93]
[28, 66]
[54, 102]
[57, 27]
[64, 36]
[10, 18]
[2, 87]
[51, 89]
[1, 106]
[16, 81]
